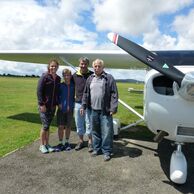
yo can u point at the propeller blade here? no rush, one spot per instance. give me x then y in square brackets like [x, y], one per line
[147, 57]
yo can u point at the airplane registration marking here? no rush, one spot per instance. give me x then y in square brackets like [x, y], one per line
[150, 58]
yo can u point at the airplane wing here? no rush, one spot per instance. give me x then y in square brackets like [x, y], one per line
[113, 59]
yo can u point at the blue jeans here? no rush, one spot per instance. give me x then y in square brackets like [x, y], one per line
[102, 132]
[82, 121]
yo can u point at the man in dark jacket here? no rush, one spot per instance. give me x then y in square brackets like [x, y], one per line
[101, 96]
[82, 121]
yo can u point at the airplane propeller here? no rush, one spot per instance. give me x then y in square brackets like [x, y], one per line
[147, 57]
[185, 82]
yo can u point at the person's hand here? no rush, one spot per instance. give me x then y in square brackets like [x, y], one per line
[82, 111]
[112, 113]
[43, 108]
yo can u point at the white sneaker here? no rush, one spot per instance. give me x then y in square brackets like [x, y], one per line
[43, 149]
[50, 148]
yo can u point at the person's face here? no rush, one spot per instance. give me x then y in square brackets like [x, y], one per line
[53, 67]
[98, 68]
[67, 77]
[83, 66]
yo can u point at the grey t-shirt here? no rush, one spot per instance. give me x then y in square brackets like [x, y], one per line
[96, 92]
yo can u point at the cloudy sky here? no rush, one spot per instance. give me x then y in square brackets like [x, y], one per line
[84, 24]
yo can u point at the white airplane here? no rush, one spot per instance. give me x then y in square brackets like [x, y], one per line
[168, 92]
[168, 98]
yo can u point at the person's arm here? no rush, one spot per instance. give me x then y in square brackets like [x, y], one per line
[40, 94]
[114, 97]
[59, 98]
[85, 97]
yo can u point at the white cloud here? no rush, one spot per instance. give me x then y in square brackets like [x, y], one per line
[27, 25]
[158, 41]
[133, 18]
[184, 27]
[66, 24]
[141, 18]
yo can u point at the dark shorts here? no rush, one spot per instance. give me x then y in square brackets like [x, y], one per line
[64, 118]
[46, 118]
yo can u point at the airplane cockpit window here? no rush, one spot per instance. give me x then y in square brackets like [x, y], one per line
[163, 85]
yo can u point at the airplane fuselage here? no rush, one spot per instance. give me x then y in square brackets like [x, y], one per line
[166, 110]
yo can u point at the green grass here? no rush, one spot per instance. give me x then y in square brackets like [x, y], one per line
[19, 118]
[135, 100]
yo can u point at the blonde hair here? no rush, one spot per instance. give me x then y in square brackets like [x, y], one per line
[66, 71]
[99, 61]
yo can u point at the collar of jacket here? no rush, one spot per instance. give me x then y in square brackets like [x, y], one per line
[103, 75]
[79, 72]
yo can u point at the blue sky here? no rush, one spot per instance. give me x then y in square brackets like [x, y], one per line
[84, 24]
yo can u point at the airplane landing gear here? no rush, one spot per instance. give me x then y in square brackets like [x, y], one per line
[178, 166]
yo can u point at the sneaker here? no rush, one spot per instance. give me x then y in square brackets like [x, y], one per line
[49, 148]
[67, 147]
[90, 147]
[59, 147]
[79, 146]
[43, 149]
[107, 157]
[94, 153]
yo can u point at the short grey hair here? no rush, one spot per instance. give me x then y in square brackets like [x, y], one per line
[85, 60]
[100, 61]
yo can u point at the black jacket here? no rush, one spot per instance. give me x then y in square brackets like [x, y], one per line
[110, 95]
[48, 90]
[80, 81]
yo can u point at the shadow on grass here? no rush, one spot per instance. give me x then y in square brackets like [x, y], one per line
[34, 118]
[28, 117]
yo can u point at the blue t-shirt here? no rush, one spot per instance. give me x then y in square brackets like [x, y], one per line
[66, 96]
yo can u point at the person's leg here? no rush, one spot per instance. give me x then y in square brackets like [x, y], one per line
[60, 146]
[43, 136]
[47, 137]
[68, 123]
[67, 145]
[79, 121]
[49, 117]
[43, 147]
[61, 133]
[67, 132]
[89, 129]
[96, 132]
[60, 123]
[107, 135]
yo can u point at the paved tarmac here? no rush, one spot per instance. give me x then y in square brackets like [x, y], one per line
[138, 166]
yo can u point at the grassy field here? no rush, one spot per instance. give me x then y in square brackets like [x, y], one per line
[19, 119]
